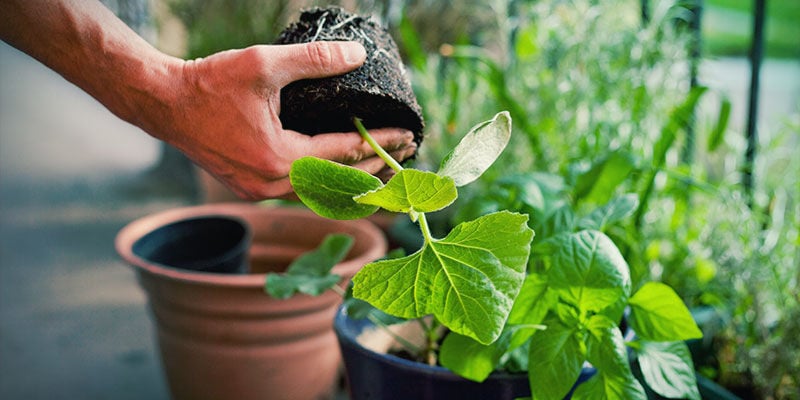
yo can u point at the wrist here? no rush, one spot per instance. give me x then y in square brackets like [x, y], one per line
[149, 89]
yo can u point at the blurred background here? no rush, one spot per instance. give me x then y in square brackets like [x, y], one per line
[653, 97]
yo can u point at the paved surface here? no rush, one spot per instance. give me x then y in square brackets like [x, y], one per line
[73, 322]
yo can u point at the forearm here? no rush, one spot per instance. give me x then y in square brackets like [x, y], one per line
[85, 43]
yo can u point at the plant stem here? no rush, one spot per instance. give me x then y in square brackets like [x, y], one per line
[378, 323]
[423, 226]
[399, 339]
[391, 162]
[338, 290]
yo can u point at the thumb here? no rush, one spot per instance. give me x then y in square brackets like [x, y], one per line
[316, 60]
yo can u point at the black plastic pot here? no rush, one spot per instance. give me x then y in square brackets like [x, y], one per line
[373, 375]
[214, 244]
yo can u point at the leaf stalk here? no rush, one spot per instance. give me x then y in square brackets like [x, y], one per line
[391, 162]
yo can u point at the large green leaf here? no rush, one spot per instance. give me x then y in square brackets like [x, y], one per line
[606, 347]
[607, 352]
[468, 280]
[332, 197]
[659, 315]
[478, 150]
[556, 358]
[587, 269]
[412, 190]
[668, 370]
[310, 272]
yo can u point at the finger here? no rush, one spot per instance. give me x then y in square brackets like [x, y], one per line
[280, 188]
[385, 174]
[349, 148]
[293, 62]
[405, 153]
[373, 165]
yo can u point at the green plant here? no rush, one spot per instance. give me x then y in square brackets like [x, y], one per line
[467, 280]
[547, 313]
[579, 286]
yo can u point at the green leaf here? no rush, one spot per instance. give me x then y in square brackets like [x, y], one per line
[599, 183]
[468, 280]
[609, 387]
[310, 272]
[478, 150]
[615, 211]
[679, 119]
[533, 302]
[328, 188]
[412, 190]
[469, 358]
[659, 315]
[715, 138]
[668, 370]
[555, 360]
[475, 361]
[607, 352]
[526, 47]
[560, 220]
[587, 269]
[606, 347]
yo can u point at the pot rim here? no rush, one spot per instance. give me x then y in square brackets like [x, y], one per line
[402, 363]
[136, 229]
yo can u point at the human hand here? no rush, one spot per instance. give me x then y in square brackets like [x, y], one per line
[223, 113]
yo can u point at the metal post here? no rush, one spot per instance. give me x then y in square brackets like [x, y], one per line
[645, 11]
[756, 56]
[695, 50]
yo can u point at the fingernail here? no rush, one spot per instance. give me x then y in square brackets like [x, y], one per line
[354, 53]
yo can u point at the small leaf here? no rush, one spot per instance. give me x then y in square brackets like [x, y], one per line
[478, 150]
[475, 361]
[659, 315]
[599, 183]
[560, 220]
[332, 197]
[412, 190]
[668, 370]
[310, 272]
[468, 280]
[469, 358]
[717, 135]
[587, 269]
[555, 360]
[615, 211]
[526, 47]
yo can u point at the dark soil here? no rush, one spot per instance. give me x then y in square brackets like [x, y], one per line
[378, 92]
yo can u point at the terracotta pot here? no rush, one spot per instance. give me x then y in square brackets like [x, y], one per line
[221, 336]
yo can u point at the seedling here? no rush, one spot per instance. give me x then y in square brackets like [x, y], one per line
[467, 280]
[547, 316]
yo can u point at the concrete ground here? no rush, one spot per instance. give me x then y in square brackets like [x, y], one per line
[73, 322]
